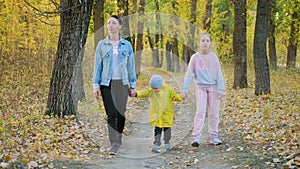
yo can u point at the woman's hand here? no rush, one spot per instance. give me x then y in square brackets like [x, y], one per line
[97, 93]
[132, 92]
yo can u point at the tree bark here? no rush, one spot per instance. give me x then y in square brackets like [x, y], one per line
[124, 4]
[185, 57]
[75, 18]
[156, 59]
[191, 45]
[240, 45]
[175, 55]
[272, 42]
[207, 17]
[168, 56]
[261, 66]
[139, 41]
[175, 51]
[293, 42]
[98, 22]
[189, 48]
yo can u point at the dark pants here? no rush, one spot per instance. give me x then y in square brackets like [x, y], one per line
[158, 133]
[114, 99]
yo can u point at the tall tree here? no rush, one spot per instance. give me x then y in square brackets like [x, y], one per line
[139, 40]
[124, 6]
[158, 36]
[98, 21]
[175, 45]
[75, 17]
[156, 39]
[175, 54]
[271, 39]
[207, 16]
[168, 56]
[189, 47]
[261, 66]
[294, 37]
[240, 44]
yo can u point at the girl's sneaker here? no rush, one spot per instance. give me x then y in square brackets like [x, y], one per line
[168, 147]
[156, 149]
[196, 142]
[215, 140]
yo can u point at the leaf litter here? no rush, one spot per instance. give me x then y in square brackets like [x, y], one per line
[267, 127]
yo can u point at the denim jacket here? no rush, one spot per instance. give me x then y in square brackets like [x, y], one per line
[103, 63]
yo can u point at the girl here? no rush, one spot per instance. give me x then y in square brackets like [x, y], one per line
[205, 68]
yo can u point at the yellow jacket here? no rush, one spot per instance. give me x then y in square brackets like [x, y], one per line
[161, 105]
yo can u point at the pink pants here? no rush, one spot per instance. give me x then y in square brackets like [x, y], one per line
[206, 97]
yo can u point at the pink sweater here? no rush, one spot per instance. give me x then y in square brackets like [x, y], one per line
[206, 70]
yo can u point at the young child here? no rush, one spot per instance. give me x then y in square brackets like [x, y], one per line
[161, 110]
[204, 67]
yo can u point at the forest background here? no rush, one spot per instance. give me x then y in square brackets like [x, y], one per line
[30, 40]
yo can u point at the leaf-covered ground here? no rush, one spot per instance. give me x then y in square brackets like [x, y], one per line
[258, 131]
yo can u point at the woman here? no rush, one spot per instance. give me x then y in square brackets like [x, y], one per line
[114, 79]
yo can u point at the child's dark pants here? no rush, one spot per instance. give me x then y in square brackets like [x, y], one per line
[158, 133]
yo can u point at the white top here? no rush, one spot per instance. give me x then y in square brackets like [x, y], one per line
[116, 61]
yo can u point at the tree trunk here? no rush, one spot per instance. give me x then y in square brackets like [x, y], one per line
[157, 37]
[124, 6]
[98, 22]
[139, 41]
[240, 45]
[272, 42]
[168, 56]
[175, 55]
[207, 17]
[293, 42]
[261, 66]
[153, 43]
[191, 45]
[74, 24]
[175, 50]
[77, 81]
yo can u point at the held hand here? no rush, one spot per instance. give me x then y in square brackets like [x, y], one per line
[183, 95]
[132, 92]
[97, 93]
[220, 96]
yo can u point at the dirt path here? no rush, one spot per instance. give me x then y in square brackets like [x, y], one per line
[135, 152]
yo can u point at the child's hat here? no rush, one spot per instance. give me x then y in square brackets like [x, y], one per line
[156, 81]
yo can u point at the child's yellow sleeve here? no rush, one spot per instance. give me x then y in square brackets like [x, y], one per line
[143, 93]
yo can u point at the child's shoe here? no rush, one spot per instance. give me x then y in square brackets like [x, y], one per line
[215, 140]
[196, 142]
[156, 149]
[168, 146]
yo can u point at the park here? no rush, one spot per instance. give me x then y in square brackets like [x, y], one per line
[50, 118]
